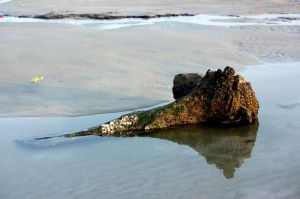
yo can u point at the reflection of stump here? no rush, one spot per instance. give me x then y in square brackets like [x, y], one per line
[224, 147]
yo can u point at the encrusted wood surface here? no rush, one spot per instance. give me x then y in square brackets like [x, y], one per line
[221, 98]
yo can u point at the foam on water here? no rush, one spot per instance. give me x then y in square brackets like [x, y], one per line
[208, 20]
[4, 1]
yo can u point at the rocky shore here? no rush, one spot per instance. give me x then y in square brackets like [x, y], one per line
[220, 98]
[99, 16]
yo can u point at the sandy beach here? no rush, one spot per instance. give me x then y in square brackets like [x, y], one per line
[89, 70]
[152, 7]
[99, 70]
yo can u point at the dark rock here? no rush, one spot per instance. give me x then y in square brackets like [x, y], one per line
[99, 16]
[288, 18]
[221, 98]
[233, 15]
[184, 84]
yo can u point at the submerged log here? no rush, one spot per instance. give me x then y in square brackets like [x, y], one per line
[220, 98]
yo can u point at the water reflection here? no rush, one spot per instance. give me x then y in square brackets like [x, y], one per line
[226, 148]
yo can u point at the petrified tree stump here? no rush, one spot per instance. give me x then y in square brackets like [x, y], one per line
[219, 98]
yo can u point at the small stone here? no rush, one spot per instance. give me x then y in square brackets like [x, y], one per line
[183, 84]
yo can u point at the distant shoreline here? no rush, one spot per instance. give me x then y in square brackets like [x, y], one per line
[143, 7]
[110, 21]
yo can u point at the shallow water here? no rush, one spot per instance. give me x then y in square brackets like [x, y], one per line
[4, 1]
[208, 20]
[256, 161]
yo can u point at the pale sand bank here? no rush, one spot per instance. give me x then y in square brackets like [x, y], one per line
[151, 7]
[95, 71]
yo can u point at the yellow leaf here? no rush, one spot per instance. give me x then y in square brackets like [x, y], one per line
[36, 79]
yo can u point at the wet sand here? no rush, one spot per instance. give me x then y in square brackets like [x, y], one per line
[153, 7]
[89, 71]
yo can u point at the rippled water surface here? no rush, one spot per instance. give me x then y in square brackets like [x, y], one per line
[256, 161]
